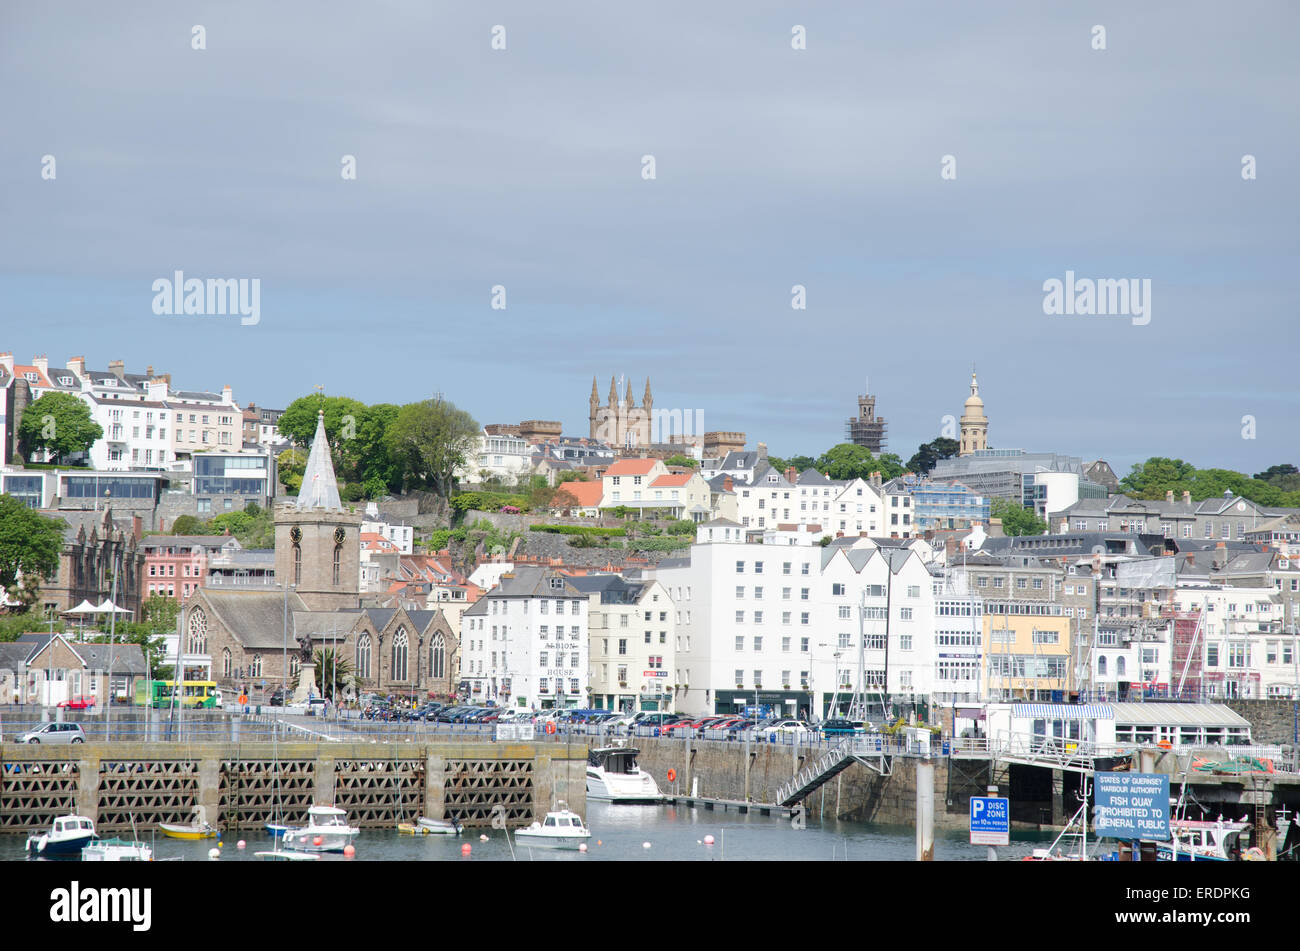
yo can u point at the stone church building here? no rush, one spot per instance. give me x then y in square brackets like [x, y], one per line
[622, 423]
[257, 639]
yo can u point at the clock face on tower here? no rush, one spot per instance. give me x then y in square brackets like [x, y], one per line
[339, 535]
[295, 534]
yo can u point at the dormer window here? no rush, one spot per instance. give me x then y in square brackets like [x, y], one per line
[65, 381]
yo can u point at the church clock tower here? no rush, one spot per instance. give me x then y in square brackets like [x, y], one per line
[317, 541]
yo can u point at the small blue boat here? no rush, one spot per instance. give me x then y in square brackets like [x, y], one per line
[277, 831]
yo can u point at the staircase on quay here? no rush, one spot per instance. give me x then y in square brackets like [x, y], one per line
[829, 765]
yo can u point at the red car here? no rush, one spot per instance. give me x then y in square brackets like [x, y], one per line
[79, 703]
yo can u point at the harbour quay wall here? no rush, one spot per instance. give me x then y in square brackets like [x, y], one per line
[243, 786]
[858, 794]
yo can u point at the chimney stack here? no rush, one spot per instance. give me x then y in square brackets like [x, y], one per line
[117, 368]
[727, 484]
[791, 475]
[762, 450]
[1187, 496]
[1169, 495]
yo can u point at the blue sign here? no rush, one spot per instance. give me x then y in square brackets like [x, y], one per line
[1131, 805]
[990, 820]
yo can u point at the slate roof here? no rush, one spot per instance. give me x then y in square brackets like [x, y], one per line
[254, 617]
[126, 658]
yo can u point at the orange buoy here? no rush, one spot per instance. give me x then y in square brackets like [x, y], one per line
[550, 727]
[672, 775]
[1165, 745]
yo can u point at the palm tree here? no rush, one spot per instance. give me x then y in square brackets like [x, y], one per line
[328, 675]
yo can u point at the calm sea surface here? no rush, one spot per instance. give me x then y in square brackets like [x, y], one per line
[675, 833]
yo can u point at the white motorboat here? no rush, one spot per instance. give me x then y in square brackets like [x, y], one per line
[562, 829]
[327, 830]
[116, 850]
[613, 774]
[66, 838]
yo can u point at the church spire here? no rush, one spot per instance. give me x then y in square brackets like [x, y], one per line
[595, 394]
[613, 393]
[319, 487]
[647, 400]
[627, 394]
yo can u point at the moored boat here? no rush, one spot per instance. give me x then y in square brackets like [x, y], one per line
[66, 838]
[1203, 841]
[327, 830]
[613, 775]
[562, 829]
[426, 826]
[198, 827]
[116, 850]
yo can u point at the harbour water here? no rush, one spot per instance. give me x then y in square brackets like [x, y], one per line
[619, 833]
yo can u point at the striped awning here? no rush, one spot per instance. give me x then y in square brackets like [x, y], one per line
[1062, 711]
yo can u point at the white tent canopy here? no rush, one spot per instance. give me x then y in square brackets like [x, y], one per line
[108, 607]
[85, 607]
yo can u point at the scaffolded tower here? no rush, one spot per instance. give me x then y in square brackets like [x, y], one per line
[867, 429]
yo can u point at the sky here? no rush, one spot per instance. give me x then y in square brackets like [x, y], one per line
[823, 167]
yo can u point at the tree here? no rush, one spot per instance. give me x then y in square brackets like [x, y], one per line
[189, 525]
[367, 457]
[681, 460]
[60, 424]
[851, 461]
[1016, 519]
[433, 439]
[1153, 478]
[327, 674]
[929, 453]
[1285, 469]
[292, 463]
[571, 476]
[29, 545]
[342, 417]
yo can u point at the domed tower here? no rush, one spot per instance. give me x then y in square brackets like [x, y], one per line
[318, 541]
[974, 424]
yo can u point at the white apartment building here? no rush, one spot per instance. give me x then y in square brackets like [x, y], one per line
[876, 606]
[1243, 648]
[633, 634]
[778, 626]
[525, 643]
[505, 458]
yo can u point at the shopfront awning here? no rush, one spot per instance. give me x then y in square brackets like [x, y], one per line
[1062, 711]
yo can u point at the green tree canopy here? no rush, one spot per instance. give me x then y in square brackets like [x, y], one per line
[60, 424]
[929, 453]
[681, 460]
[342, 417]
[571, 475]
[850, 461]
[1158, 475]
[1016, 519]
[433, 439]
[29, 544]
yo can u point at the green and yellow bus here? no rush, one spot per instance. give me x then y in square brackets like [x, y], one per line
[161, 694]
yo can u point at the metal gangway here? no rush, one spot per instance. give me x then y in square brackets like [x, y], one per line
[869, 751]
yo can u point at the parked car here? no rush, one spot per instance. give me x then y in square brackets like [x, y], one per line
[278, 697]
[53, 733]
[783, 727]
[838, 726]
[78, 703]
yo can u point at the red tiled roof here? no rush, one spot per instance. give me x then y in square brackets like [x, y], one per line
[631, 467]
[584, 494]
[672, 480]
